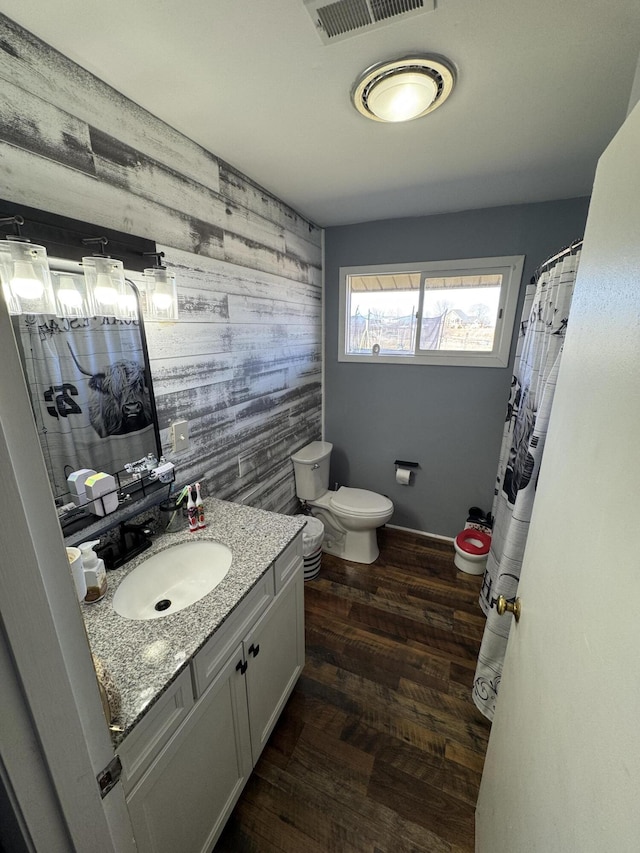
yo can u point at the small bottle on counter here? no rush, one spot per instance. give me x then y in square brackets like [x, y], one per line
[192, 511]
[200, 508]
[94, 572]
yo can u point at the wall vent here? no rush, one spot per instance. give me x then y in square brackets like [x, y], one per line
[346, 18]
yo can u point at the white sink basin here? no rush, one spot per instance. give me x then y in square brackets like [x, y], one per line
[172, 580]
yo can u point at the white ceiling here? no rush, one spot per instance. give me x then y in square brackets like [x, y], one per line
[542, 87]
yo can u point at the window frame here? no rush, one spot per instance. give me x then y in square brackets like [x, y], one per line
[509, 266]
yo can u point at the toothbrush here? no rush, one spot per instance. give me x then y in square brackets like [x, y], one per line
[181, 497]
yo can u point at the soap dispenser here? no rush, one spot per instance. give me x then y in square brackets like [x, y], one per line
[94, 572]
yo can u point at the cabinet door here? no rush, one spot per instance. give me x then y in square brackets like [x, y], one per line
[141, 746]
[184, 799]
[274, 653]
[217, 649]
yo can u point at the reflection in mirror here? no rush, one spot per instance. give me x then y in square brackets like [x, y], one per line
[89, 383]
[85, 360]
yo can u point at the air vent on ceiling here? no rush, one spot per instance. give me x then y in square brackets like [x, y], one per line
[346, 18]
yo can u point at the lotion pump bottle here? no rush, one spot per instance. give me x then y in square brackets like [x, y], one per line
[193, 512]
[94, 572]
[200, 508]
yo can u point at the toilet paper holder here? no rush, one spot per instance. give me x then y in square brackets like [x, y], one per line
[404, 471]
[400, 463]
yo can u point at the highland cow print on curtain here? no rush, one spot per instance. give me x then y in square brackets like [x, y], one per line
[89, 392]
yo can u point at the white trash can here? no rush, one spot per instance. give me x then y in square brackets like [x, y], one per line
[312, 536]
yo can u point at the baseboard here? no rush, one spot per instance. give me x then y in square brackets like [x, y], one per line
[421, 532]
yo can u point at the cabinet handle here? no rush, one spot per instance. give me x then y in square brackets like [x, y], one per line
[254, 650]
[241, 667]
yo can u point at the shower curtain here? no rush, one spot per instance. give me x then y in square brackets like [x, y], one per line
[82, 373]
[540, 340]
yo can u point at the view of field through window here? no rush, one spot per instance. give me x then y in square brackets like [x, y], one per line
[459, 313]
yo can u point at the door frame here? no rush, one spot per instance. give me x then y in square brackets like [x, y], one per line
[45, 651]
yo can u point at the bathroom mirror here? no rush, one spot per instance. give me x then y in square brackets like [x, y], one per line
[90, 387]
[92, 399]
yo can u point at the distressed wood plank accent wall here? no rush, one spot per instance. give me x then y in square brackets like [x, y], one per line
[243, 362]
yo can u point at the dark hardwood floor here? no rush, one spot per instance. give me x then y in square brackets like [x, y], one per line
[380, 748]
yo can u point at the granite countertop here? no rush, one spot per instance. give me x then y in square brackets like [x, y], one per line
[144, 657]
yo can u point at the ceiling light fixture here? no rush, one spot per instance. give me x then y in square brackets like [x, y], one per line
[403, 89]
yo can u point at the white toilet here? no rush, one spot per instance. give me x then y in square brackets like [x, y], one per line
[350, 516]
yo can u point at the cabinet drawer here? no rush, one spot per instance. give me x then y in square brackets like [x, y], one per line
[212, 656]
[288, 562]
[143, 743]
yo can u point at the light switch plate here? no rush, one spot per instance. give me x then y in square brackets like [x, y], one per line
[179, 436]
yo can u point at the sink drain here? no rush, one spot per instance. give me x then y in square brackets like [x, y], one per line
[163, 604]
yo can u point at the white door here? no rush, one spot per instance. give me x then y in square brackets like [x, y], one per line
[563, 766]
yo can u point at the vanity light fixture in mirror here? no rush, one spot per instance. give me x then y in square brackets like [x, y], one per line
[72, 298]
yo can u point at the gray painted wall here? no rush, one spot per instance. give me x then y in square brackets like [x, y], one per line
[449, 419]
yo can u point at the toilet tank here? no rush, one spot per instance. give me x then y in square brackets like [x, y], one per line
[311, 467]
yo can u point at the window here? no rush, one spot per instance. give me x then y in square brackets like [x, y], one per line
[443, 312]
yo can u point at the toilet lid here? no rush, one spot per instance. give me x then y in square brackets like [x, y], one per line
[360, 501]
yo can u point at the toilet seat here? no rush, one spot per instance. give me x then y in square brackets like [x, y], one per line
[468, 538]
[359, 502]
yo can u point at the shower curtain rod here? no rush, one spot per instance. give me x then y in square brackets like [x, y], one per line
[572, 247]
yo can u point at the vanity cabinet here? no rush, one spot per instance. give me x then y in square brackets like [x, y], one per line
[185, 767]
